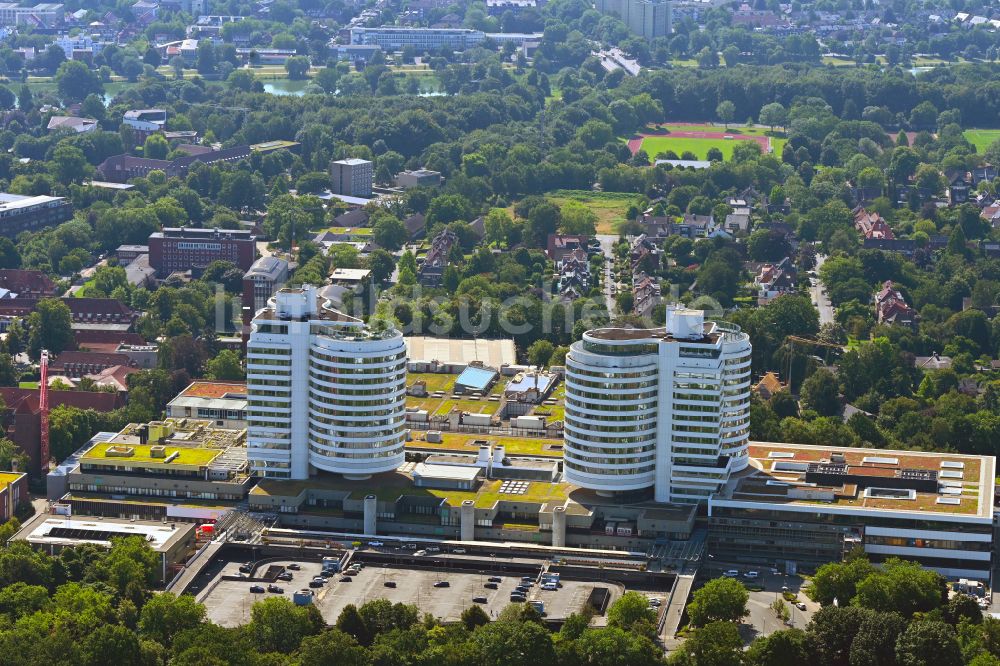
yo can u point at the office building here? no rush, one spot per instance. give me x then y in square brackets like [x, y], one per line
[352, 177]
[800, 506]
[43, 15]
[647, 18]
[260, 282]
[665, 409]
[426, 39]
[25, 213]
[180, 249]
[326, 393]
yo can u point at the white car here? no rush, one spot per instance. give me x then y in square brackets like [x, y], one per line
[549, 587]
[420, 553]
[751, 574]
[459, 551]
[732, 573]
[375, 544]
[801, 606]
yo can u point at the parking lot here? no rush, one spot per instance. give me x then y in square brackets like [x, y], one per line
[229, 602]
[762, 620]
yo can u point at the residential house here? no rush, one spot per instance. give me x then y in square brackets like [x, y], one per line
[431, 270]
[645, 294]
[776, 279]
[560, 245]
[768, 386]
[959, 185]
[26, 284]
[573, 275]
[933, 362]
[871, 225]
[891, 308]
[416, 226]
[76, 364]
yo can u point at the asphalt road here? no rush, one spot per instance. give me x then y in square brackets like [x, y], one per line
[607, 246]
[818, 294]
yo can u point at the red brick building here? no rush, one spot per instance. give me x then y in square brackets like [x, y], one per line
[23, 421]
[187, 249]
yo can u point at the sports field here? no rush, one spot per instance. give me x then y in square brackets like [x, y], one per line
[699, 139]
[981, 138]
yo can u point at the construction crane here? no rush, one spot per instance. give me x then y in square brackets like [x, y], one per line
[43, 408]
[792, 340]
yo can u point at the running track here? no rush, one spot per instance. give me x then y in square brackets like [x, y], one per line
[636, 142]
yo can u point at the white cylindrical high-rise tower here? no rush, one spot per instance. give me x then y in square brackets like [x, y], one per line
[324, 391]
[664, 408]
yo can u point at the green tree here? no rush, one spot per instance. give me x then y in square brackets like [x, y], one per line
[768, 245]
[74, 81]
[839, 580]
[226, 365]
[514, 643]
[902, 586]
[381, 264]
[928, 643]
[630, 610]
[69, 164]
[388, 231]
[788, 646]
[205, 60]
[474, 616]
[540, 352]
[773, 114]
[111, 644]
[875, 642]
[726, 111]
[278, 625]
[297, 67]
[821, 393]
[165, 616]
[720, 599]
[577, 219]
[332, 648]
[51, 327]
[715, 644]
[155, 147]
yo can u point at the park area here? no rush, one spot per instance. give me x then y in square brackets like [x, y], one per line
[699, 139]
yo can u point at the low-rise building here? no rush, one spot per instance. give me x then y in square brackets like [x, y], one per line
[13, 492]
[418, 178]
[172, 542]
[77, 125]
[29, 213]
[891, 308]
[431, 270]
[224, 403]
[800, 506]
[20, 283]
[872, 225]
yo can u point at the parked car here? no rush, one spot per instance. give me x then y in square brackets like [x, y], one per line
[479, 600]
[549, 587]
[317, 583]
[375, 544]
[495, 579]
[257, 589]
[285, 576]
[420, 553]
[491, 586]
[442, 583]
[751, 575]
[801, 606]
[732, 573]
[389, 583]
[459, 551]
[246, 568]
[346, 579]
[527, 579]
[518, 598]
[275, 589]
[433, 549]
[293, 566]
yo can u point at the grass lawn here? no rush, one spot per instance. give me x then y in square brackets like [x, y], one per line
[465, 443]
[27, 385]
[981, 138]
[654, 145]
[442, 406]
[609, 207]
[436, 381]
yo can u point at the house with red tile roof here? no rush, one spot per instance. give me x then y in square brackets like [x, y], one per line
[891, 308]
[872, 225]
